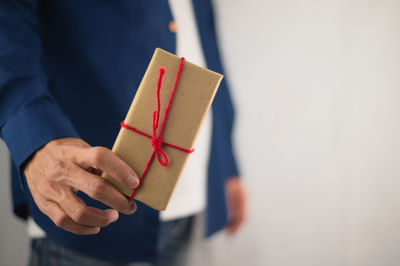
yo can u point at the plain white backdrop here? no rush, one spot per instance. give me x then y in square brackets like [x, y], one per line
[316, 85]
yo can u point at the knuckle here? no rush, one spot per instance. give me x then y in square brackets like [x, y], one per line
[62, 153]
[62, 196]
[78, 214]
[97, 189]
[60, 219]
[57, 168]
[99, 154]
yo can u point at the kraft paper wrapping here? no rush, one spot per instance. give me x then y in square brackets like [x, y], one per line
[192, 99]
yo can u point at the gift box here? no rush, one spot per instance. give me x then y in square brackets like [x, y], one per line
[161, 126]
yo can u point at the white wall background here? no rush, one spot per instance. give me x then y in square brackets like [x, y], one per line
[317, 90]
[13, 238]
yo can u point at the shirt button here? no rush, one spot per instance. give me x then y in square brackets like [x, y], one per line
[172, 26]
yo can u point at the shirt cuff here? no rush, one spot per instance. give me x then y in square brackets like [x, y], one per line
[31, 128]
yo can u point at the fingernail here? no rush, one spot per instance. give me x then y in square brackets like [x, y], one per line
[132, 181]
[114, 216]
[96, 230]
[132, 206]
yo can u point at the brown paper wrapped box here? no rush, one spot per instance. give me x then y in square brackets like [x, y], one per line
[192, 99]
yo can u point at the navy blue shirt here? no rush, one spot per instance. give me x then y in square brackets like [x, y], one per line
[70, 68]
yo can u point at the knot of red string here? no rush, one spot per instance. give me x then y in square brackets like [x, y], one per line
[156, 141]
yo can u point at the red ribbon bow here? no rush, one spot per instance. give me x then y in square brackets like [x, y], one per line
[157, 142]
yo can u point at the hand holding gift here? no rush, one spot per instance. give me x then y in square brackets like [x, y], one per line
[61, 168]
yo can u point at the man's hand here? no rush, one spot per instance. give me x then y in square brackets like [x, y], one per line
[236, 204]
[62, 167]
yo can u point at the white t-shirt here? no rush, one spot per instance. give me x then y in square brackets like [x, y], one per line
[190, 194]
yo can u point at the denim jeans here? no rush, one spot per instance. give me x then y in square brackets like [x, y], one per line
[173, 244]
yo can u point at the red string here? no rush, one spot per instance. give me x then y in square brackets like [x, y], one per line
[156, 142]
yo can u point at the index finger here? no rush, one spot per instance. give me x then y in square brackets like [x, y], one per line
[107, 161]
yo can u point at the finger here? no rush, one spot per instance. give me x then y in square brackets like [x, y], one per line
[240, 208]
[82, 214]
[61, 219]
[237, 213]
[99, 189]
[107, 161]
[234, 224]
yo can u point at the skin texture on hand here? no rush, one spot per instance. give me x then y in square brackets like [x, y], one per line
[62, 167]
[236, 201]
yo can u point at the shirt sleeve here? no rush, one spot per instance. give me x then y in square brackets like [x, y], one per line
[30, 116]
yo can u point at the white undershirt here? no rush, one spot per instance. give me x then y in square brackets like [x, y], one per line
[190, 194]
